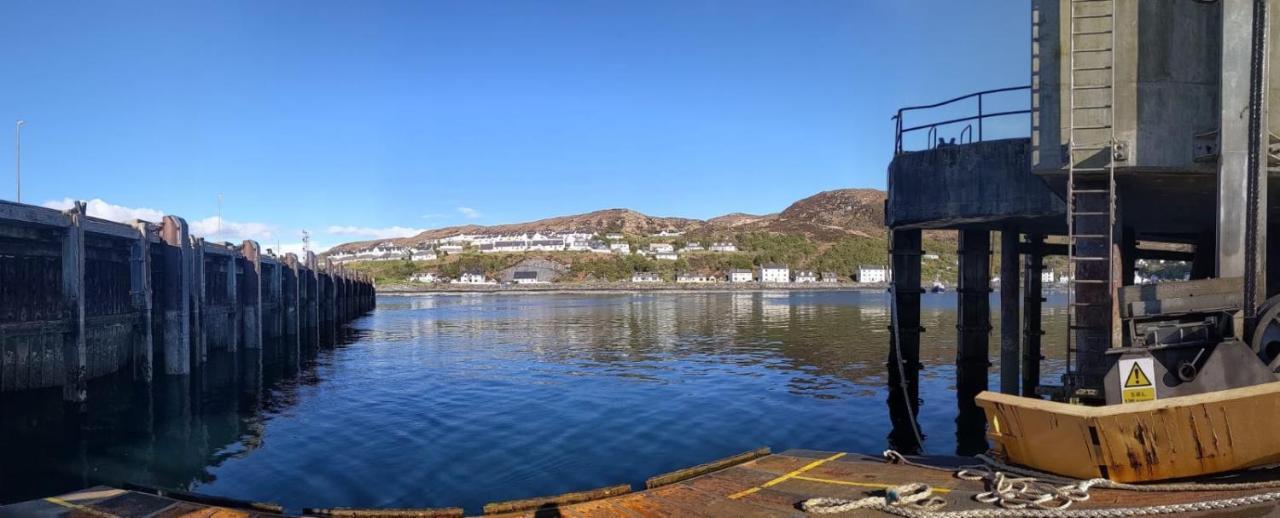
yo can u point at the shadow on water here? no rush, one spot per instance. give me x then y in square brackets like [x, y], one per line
[170, 434]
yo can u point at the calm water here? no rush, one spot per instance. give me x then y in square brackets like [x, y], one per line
[446, 400]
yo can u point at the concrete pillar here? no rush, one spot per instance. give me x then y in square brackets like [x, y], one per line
[1242, 170]
[251, 302]
[973, 336]
[1010, 312]
[140, 291]
[904, 359]
[177, 286]
[1033, 297]
[74, 354]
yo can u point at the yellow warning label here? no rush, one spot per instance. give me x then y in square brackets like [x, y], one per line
[1137, 379]
[1134, 395]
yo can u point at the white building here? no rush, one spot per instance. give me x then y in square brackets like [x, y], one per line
[723, 247]
[661, 247]
[428, 277]
[452, 248]
[473, 278]
[546, 245]
[806, 276]
[668, 233]
[868, 274]
[423, 254]
[831, 277]
[1046, 277]
[645, 277]
[774, 273]
[620, 248]
[741, 275]
[665, 256]
[614, 236]
[694, 278]
[692, 247]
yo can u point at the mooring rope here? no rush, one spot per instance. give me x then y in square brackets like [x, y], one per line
[1026, 492]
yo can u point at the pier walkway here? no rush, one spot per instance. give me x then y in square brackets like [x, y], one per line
[750, 485]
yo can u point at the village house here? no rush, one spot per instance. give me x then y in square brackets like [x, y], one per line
[423, 254]
[1046, 277]
[340, 257]
[620, 248]
[427, 277]
[774, 273]
[723, 247]
[600, 247]
[668, 233]
[661, 247]
[741, 275]
[546, 245]
[473, 277]
[527, 277]
[614, 236]
[805, 276]
[645, 277]
[666, 256]
[452, 248]
[509, 246]
[871, 274]
[831, 277]
[692, 247]
[694, 278]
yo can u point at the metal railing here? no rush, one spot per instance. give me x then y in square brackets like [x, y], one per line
[932, 127]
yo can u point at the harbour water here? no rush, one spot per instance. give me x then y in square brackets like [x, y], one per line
[463, 399]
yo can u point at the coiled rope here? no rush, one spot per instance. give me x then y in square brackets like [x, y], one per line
[1026, 492]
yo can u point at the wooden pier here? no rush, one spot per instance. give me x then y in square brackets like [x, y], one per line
[751, 484]
[82, 297]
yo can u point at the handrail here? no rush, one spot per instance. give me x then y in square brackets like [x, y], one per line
[899, 130]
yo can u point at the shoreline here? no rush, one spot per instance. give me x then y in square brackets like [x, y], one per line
[626, 287]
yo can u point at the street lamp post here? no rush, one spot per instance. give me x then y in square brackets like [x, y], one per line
[18, 156]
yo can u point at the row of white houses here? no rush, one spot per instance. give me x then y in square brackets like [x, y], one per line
[769, 273]
[534, 242]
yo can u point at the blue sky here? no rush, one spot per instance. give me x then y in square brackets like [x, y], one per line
[356, 120]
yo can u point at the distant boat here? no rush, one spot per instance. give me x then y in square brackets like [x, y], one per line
[938, 287]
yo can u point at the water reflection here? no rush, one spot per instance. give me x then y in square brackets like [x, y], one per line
[463, 399]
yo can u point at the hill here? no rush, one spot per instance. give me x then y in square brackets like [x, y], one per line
[825, 217]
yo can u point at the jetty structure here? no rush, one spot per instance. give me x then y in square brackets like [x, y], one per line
[1151, 136]
[82, 297]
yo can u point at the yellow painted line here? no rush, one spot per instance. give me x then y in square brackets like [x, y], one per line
[862, 484]
[790, 475]
[78, 507]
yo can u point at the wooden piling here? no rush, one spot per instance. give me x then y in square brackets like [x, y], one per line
[1032, 331]
[177, 284]
[903, 364]
[251, 295]
[74, 355]
[974, 330]
[1010, 314]
[199, 300]
[140, 293]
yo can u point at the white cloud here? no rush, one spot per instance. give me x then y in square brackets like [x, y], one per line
[469, 212]
[101, 209]
[234, 231]
[296, 248]
[376, 233]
